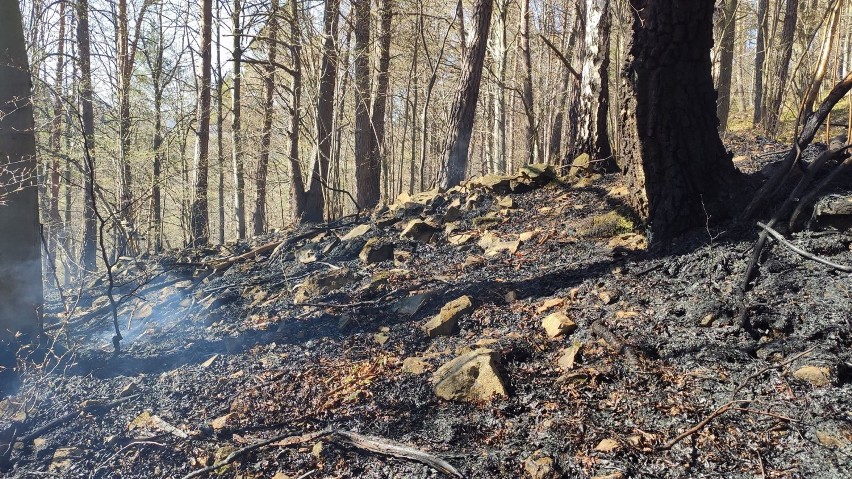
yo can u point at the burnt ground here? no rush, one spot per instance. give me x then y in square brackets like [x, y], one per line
[234, 347]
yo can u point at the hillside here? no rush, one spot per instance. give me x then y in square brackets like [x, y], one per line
[512, 327]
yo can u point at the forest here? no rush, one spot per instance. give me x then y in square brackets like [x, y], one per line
[402, 238]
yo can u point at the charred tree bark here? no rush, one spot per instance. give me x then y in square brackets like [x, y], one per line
[20, 247]
[464, 105]
[88, 260]
[677, 168]
[593, 134]
[199, 212]
[367, 171]
[726, 63]
[315, 199]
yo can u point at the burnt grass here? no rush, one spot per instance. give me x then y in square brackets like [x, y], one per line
[236, 344]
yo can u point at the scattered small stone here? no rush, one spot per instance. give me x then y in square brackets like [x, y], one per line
[558, 324]
[306, 255]
[419, 230]
[608, 296]
[708, 320]
[227, 421]
[356, 232]
[410, 305]
[540, 466]
[818, 376]
[550, 304]
[453, 213]
[829, 439]
[568, 356]
[580, 166]
[322, 283]
[510, 297]
[414, 366]
[459, 239]
[376, 251]
[446, 322]
[401, 257]
[471, 377]
[506, 202]
[64, 457]
[381, 338]
[527, 236]
[493, 245]
[485, 221]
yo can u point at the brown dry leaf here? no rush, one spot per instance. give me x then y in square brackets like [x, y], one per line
[607, 445]
[550, 304]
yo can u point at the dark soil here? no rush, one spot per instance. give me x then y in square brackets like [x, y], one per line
[237, 344]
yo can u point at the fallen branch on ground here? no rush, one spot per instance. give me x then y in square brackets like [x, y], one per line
[694, 429]
[770, 368]
[616, 342]
[345, 438]
[85, 408]
[803, 253]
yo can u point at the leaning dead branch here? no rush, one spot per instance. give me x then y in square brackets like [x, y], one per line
[778, 237]
[87, 407]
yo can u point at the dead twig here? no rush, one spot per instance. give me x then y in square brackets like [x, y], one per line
[803, 253]
[388, 448]
[694, 429]
[283, 440]
[770, 368]
[86, 407]
[345, 438]
[616, 342]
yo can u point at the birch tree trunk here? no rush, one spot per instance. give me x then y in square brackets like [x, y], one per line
[592, 133]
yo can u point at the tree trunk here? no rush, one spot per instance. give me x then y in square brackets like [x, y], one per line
[199, 213]
[88, 260]
[772, 113]
[56, 227]
[378, 154]
[315, 199]
[236, 124]
[366, 169]
[760, 59]
[825, 56]
[677, 168]
[533, 142]
[20, 248]
[266, 130]
[499, 55]
[220, 130]
[578, 35]
[298, 188]
[726, 62]
[463, 110]
[592, 134]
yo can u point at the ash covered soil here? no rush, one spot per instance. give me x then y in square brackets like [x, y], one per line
[645, 347]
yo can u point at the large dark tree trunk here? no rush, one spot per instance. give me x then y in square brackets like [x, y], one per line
[366, 169]
[726, 63]
[199, 219]
[88, 260]
[677, 168]
[592, 134]
[20, 248]
[464, 105]
[315, 200]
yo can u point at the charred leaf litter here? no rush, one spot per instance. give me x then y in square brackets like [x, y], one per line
[429, 325]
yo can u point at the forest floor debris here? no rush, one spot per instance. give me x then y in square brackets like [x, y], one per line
[572, 351]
